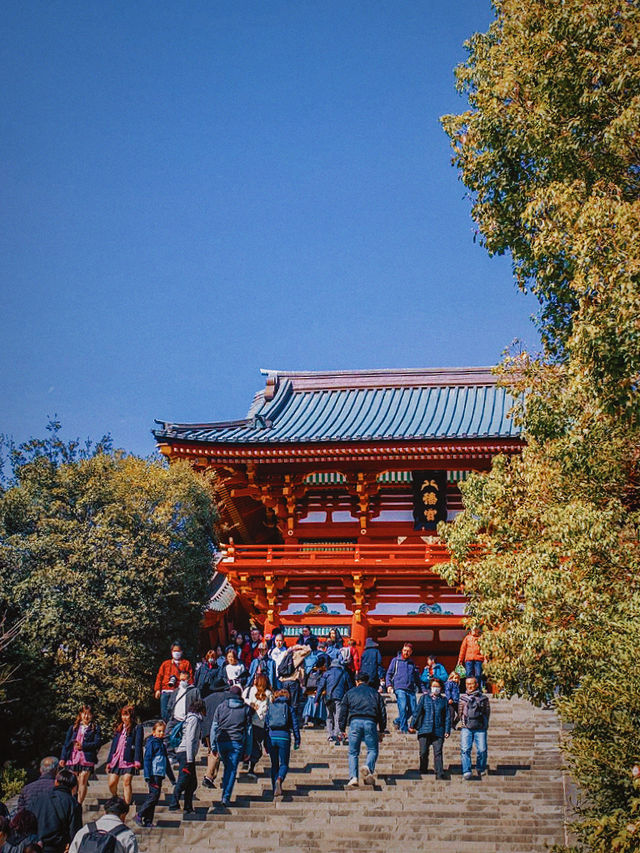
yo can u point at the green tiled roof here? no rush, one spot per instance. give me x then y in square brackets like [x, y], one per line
[363, 406]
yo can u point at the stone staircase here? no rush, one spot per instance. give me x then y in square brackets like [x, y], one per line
[517, 808]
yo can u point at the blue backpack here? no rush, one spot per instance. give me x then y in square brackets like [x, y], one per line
[278, 715]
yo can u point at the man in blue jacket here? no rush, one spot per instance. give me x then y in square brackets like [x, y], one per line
[433, 724]
[231, 737]
[403, 679]
[334, 684]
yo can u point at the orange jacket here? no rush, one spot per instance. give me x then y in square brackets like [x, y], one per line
[470, 649]
[169, 668]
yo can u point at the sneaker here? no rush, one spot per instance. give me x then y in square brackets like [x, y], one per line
[225, 803]
[208, 783]
[251, 775]
[277, 791]
[174, 807]
[139, 821]
[368, 776]
[466, 776]
[189, 811]
[396, 725]
[353, 782]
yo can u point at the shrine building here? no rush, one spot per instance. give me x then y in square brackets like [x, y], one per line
[330, 492]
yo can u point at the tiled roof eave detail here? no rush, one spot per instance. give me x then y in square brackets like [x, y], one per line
[436, 449]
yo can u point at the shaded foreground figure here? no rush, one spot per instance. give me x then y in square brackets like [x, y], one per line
[186, 753]
[111, 823]
[22, 836]
[474, 711]
[433, 724]
[281, 722]
[39, 787]
[363, 710]
[230, 737]
[58, 813]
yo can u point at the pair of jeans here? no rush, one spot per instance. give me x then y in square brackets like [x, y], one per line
[467, 739]
[424, 742]
[231, 752]
[473, 669]
[186, 781]
[164, 705]
[362, 729]
[279, 752]
[333, 712]
[148, 808]
[407, 707]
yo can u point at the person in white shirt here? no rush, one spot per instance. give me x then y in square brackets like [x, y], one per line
[258, 697]
[113, 822]
[277, 653]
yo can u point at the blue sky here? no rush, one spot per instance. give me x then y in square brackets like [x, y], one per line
[193, 190]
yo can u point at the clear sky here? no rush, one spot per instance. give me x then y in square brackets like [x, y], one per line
[195, 189]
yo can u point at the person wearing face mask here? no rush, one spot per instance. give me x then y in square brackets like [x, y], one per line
[168, 676]
[206, 673]
[432, 724]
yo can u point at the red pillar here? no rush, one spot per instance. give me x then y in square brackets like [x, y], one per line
[359, 627]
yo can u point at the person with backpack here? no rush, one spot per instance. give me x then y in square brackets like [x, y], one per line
[108, 834]
[432, 724]
[403, 679]
[333, 684]
[221, 692]
[206, 673]
[186, 753]
[281, 722]
[263, 664]
[363, 710]
[230, 737]
[23, 834]
[156, 767]
[474, 710]
[371, 663]
[314, 712]
[167, 678]
[291, 674]
[125, 754]
[258, 698]
[178, 707]
[58, 813]
[80, 749]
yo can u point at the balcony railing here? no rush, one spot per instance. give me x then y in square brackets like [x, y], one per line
[339, 554]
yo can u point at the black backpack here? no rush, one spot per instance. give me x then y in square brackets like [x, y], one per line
[278, 715]
[313, 678]
[475, 717]
[100, 840]
[286, 667]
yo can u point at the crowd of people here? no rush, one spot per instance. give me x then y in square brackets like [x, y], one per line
[244, 702]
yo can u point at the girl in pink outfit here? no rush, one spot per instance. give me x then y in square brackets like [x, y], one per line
[80, 750]
[125, 755]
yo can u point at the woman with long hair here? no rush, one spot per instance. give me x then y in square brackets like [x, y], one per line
[80, 749]
[258, 697]
[125, 755]
[234, 671]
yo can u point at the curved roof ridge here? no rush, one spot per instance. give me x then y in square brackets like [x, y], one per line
[316, 380]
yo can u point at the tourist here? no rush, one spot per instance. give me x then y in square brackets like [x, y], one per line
[220, 657]
[112, 823]
[221, 692]
[23, 834]
[156, 767]
[262, 664]
[452, 695]
[371, 663]
[231, 738]
[307, 638]
[333, 685]
[432, 670]
[125, 754]
[255, 639]
[432, 723]
[242, 649]
[234, 671]
[278, 653]
[41, 786]
[293, 680]
[335, 643]
[356, 658]
[179, 703]
[278, 630]
[471, 657]
[281, 722]
[403, 679]
[167, 678]
[206, 673]
[314, 711]
[58, 813]
[474, 710]
[80, 749]
[258, 697]
[187, 753]
[363, 711]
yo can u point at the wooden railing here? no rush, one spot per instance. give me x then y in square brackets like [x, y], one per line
[340, 553]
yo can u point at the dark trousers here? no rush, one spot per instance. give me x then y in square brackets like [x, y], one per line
[258, 744]
[425, 741]
[148, 808]
[186, 781]
[295, 692]
[453, 715]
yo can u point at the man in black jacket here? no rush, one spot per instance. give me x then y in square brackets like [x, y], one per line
[362, 709]
[58, 813]
[220, 692]
[41, 786]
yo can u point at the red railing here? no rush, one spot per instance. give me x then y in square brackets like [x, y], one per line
[340, 553]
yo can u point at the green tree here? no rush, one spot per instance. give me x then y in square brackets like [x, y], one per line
[107, 558]
[549, 150]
